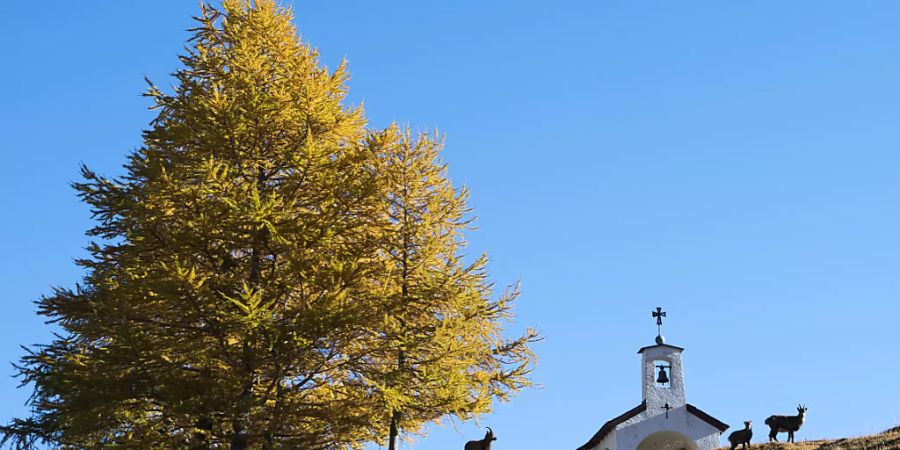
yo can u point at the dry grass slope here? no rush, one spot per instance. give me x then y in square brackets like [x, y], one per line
[889, 440]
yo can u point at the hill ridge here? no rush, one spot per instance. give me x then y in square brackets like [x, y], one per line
[887, 440]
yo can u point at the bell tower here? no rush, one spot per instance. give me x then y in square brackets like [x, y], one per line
[664, 420]
[662, 372]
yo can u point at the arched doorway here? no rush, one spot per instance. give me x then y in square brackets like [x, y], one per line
[667, 440]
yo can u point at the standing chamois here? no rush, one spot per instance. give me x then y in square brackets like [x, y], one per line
[741, 437]
[778, 424]
[484, 444]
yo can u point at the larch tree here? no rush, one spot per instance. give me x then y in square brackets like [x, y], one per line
[268, 273]
[443, 353]
[223, 301]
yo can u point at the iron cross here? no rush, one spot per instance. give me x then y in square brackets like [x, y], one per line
[658, 315]
[667, 408]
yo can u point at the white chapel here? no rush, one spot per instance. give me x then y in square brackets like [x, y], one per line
[664, 420]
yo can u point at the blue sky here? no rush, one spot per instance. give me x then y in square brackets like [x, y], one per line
[733, 162]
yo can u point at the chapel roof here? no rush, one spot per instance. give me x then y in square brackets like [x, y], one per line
[674, 347]
[612, 424]
[722, 426]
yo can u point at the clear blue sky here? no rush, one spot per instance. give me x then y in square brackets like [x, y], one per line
[734, 162]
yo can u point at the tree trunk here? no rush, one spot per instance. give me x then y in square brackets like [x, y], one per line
[395, 430]
[395, 414]
[240, 425]
[401, 356]
[239, 438]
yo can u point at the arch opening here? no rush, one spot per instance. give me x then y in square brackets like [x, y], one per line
[667, 440]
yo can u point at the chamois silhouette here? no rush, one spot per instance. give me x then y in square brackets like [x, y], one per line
[741, 437]
[790, 424]
[483, 444]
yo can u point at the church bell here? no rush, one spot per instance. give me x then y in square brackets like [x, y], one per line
[663, 378]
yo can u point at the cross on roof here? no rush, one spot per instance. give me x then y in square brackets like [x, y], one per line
[658, 315]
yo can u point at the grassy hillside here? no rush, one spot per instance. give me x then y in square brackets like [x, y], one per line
[889, 440]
